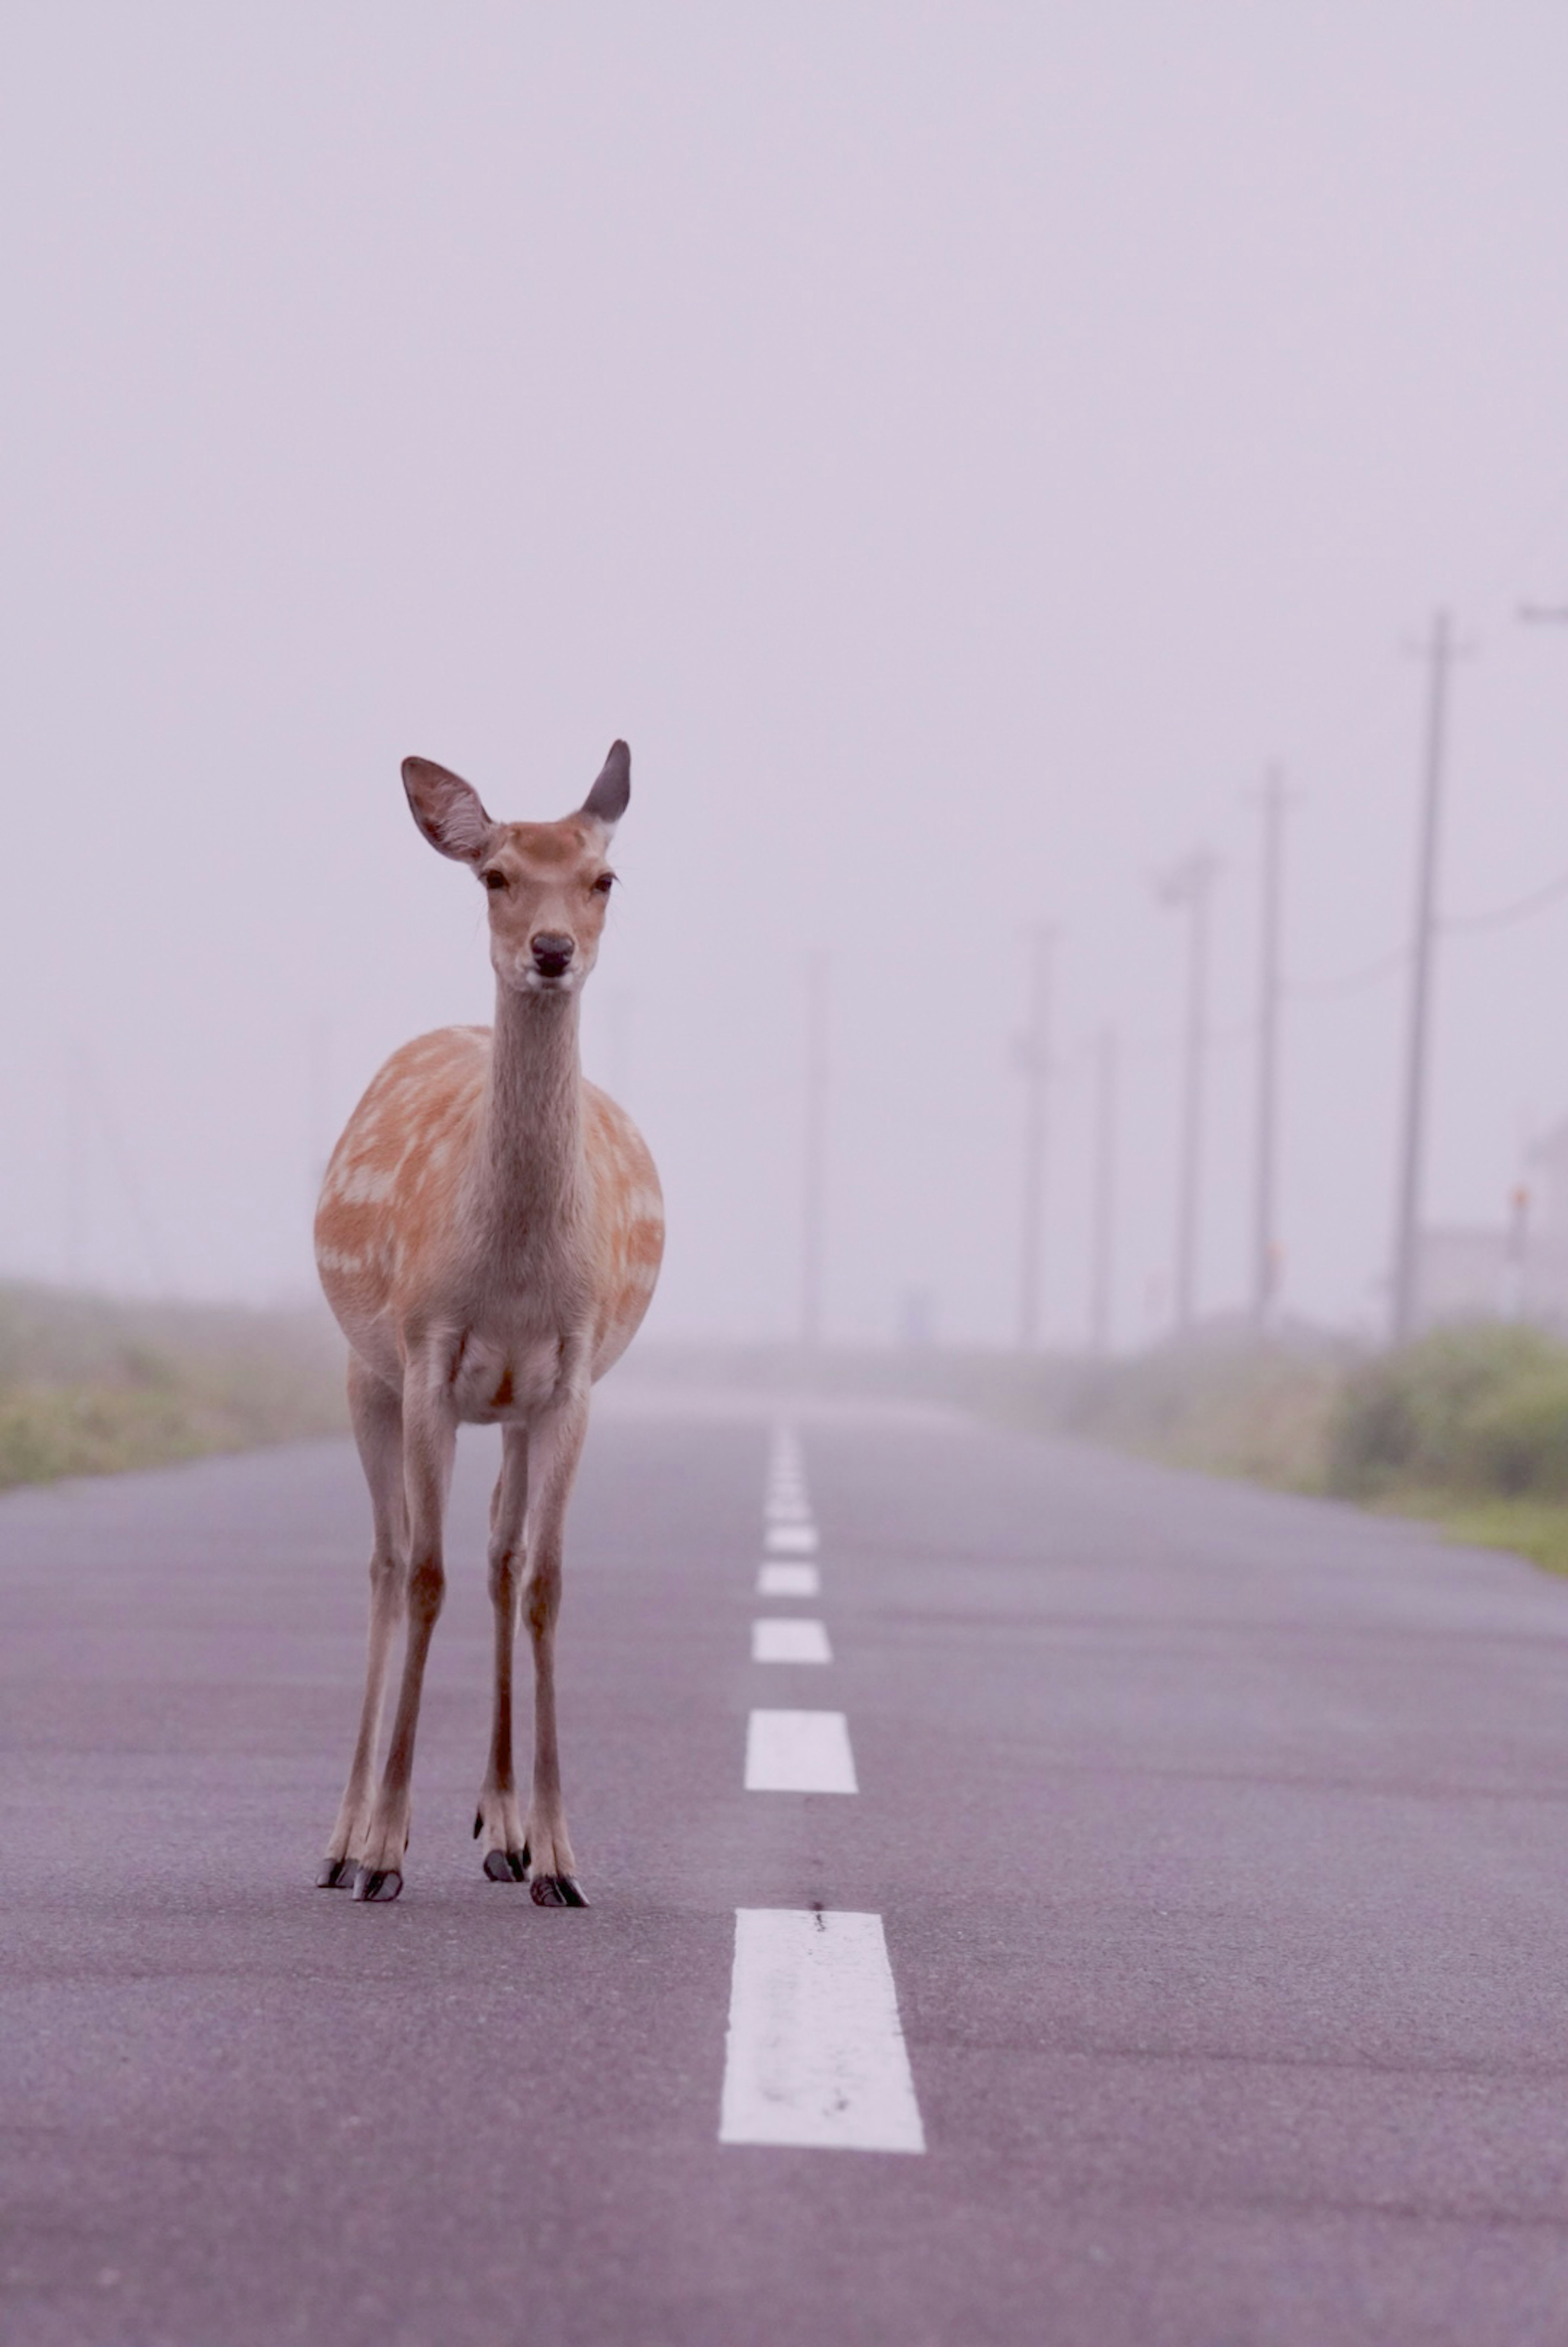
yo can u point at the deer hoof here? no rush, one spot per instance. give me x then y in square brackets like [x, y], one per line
[557, 1891]
[336, 1874]
[380, 1887]
[506, 1865]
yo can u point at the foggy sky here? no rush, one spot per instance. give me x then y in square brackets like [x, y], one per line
[958, 447]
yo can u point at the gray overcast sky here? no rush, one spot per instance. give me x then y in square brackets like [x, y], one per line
[956, 447]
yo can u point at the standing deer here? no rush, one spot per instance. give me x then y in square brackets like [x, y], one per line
[489, 1234]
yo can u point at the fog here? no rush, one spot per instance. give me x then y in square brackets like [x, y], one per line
[958, 448]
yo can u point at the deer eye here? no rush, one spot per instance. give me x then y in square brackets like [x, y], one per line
[493, 879]
[603, 884]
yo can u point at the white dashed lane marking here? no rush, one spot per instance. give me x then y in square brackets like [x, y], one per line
[790, 1540]
[789, 1581]
[789, 1641]
[787, 1508]
[815, 2053]
[814, 2057]
[799, 1752]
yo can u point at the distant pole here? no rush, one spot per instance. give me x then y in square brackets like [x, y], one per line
[1188, 886]
[1516, 1260]
[1102, 1288]
[1033, 1054]
[814, 1170]
[1273, 799]
[1406, 1296]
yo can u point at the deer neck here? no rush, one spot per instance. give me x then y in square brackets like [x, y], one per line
[530, 1160]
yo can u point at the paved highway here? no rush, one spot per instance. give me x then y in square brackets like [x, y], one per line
[1201, 1908]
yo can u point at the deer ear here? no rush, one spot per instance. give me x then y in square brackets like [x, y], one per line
[447, 810]
[607, 799]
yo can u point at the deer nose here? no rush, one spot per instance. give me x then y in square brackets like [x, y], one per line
[552, 952]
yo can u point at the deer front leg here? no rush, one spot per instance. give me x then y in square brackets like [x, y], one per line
[554, 1447]
[430, 1436]
[377, 1413]
[499, 1823]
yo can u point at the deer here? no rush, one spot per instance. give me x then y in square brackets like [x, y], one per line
[488, 1237]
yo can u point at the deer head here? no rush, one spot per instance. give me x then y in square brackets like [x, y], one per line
[547, 884]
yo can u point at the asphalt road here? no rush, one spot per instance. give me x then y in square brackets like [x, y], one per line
[1220, 1844]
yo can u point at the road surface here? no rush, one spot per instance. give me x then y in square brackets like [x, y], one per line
[1201, 1908]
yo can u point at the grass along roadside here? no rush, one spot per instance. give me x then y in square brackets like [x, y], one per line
[1466, 1429]
[90, 1386]
[1536, 1530]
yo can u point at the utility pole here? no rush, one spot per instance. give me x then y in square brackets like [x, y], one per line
[1406, 1292]
[1273, 799]
[815, 1137]
[1188, 886]
[1103, 1267]
[1032, 1051]
[1516, 1256]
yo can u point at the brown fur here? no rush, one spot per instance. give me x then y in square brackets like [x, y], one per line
[489, 1235]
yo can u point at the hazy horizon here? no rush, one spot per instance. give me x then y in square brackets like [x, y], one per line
[960, 451]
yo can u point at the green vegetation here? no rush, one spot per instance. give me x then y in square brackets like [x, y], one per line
[1467, 1429]
[1261, 1413]
[1479, 1411]
[1537, 1529]
[89, 1386]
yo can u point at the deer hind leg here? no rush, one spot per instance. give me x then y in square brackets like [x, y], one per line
[556, 1445]
[377, 1413]
[499, 1823]
[429, 1439]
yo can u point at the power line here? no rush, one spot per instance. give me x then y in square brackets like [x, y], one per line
[1502, 916]
[1351, 981]
[1372, 973]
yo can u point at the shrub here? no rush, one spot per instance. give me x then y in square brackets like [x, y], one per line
[1517, 1441]
[1474, 1409]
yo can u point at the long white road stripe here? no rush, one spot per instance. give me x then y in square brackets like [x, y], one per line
[815, 2055]
[790, 1540]
[789, 1581]
[781, 1641]
[799, 1752]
